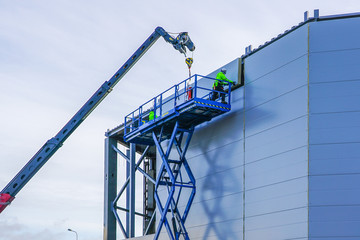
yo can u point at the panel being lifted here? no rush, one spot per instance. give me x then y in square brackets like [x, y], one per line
[189, 103]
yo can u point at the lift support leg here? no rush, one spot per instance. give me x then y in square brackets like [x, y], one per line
[175, 178]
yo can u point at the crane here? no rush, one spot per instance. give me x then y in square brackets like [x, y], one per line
[7, 195]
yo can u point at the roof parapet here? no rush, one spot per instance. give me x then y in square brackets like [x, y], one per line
[249, 50]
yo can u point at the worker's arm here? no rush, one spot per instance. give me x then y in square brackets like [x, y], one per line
[223, 78]
[232, 82]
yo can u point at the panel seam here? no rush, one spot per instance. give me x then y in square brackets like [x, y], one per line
[308, 130]
[244, 112]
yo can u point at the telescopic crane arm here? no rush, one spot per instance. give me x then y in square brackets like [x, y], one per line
[7, 195]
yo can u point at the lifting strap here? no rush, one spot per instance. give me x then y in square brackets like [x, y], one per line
[189, 61]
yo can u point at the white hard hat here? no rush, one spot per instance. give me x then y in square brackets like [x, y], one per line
[223, 70]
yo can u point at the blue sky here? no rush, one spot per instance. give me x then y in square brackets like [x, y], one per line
[55, 54]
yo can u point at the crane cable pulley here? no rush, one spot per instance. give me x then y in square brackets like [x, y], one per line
[189, 61]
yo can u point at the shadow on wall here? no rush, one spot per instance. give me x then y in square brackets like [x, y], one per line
[256, 108]
[221, 196]
[215, 186]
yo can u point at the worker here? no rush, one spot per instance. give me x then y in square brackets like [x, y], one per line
[219, 85]
[151, 115]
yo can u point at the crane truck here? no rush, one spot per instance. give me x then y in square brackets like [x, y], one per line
[7, 195]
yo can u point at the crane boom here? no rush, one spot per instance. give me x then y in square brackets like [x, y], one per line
[7, 195]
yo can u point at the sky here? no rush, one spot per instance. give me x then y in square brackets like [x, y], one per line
[55, 54]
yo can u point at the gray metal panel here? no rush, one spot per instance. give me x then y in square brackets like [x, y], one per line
[334, 159]
[290, 224]
[220, 184]
[277, 54]
[275, 169]
[334, 118]
[219, 159]
[335, 66]
[343, 127]
[335, 34]
[335, 221]
[335, 214]
[281, 81]
[214, 186]
[226, 208]
[217, 218]
[276, 204]
[342, 96]
[277, 191]
[334, 190]
[271, 114]
[278, 210]
[333, 238]
[219, 230]
[277, 140]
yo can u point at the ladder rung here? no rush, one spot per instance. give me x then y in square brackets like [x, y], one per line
[184, 185]
[165, 183]
[184, 130]
[174, 161]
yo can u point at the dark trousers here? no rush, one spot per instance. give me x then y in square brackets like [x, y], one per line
[215, 95]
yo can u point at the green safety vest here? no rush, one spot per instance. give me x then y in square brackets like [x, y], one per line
[221, 76]
[151, 115]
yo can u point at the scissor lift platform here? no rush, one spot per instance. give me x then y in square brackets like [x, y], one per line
[189, 105]
[191, 113]
[173, 115]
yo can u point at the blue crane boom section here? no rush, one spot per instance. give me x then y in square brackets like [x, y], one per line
[180, 43]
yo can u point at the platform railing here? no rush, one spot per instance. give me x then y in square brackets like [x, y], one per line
[196, 86]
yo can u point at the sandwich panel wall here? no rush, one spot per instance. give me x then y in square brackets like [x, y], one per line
[334, 136]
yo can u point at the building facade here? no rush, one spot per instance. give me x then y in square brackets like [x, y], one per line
[284, 163]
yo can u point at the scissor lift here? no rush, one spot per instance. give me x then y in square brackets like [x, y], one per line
[176, 112]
